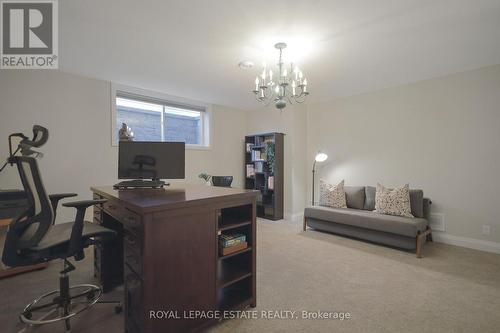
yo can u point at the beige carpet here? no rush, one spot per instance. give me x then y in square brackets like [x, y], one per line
[451, 289]
[384, 290]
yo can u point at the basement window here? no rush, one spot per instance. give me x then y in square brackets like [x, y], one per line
[151, 118]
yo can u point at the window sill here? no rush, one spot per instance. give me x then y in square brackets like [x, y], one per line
[188, 146]
[198, 147]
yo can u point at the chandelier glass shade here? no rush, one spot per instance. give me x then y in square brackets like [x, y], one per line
[282, 86]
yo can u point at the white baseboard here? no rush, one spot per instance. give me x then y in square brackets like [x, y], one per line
[471, 243]
[294, 217]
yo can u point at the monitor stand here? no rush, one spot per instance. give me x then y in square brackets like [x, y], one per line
[140, 183]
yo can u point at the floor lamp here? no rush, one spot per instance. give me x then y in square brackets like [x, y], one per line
[320, 157]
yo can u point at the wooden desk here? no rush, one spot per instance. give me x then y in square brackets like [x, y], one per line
[170, 253]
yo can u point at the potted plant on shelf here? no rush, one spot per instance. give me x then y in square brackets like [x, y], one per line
[206, 177]
[270, 159]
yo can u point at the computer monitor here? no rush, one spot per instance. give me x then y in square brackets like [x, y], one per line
[151, 160]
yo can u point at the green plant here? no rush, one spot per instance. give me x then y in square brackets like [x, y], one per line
[270, 158]
[205, 176]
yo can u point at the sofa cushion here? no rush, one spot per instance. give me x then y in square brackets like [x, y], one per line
[332, 195]
[416, 200]
[394, 201]
[370, 198]
[370, 220]
[355, 196]
[417, 203]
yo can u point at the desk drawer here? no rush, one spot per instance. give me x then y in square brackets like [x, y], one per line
[128, 218]
[97, 197]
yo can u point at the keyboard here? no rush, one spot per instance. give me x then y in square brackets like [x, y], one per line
[139, 183]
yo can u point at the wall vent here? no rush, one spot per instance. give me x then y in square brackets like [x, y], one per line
[437, 222]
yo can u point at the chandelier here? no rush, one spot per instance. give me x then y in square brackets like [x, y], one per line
[289, 87]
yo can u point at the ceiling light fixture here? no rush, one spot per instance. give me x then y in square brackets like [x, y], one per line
[289, 87]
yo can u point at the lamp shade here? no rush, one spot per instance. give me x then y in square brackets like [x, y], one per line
[321, 157]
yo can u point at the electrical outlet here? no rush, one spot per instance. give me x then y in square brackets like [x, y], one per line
[486, 230]
[436, 222]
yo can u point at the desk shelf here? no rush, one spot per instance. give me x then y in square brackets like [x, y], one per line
[233, 225]
[236, 271]
[235, 296]
[248, 249]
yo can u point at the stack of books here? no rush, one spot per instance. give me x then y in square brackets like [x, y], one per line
[230, 243]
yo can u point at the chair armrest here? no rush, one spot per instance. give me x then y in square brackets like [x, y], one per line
[59, 196]
[75, 241]
[55, 198]
[84, 203]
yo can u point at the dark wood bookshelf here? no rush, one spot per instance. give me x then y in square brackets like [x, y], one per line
[270, 204]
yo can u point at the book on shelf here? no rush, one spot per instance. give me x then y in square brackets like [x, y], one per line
[232, 249]
[270, 183]
[259, 167]
[249, 147]
[257, 155]
[250, 170]
[226, 240]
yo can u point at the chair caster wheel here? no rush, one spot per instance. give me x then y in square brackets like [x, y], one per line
[118, 309]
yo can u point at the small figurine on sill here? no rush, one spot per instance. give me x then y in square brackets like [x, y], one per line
[125, 133]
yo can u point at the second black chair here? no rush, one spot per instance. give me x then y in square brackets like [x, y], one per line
[223, 181]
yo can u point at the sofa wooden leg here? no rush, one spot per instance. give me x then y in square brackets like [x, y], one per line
[421, 237]
[305, 223]
[419, 246]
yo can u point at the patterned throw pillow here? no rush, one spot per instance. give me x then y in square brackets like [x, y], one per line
[393, 201]
[332, 195]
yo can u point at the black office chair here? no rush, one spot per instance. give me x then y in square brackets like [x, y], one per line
[223, 181]
[33, 238]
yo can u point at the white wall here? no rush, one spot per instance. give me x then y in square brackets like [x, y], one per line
[76, 110]
[441, 135]
[290, 121]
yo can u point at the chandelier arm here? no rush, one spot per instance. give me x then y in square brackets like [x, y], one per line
[299, 100]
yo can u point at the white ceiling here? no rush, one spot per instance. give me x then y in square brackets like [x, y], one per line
[191, 48]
